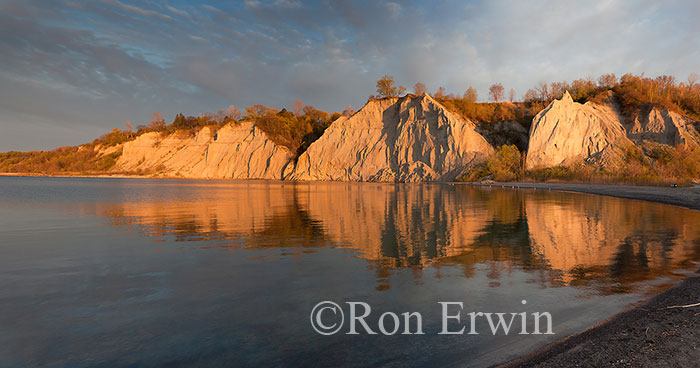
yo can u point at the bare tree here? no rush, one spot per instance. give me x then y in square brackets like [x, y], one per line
[511, 95]
[220, 117]
[607, 80]
[419, 88]
[665, 84]
[348, 111]
[692, 79]
[157, 122]
[496, 92]
[440, 93]
[128, 127]
[298, 107]
[233, 113]
[557, 89]
[471, 95]
[543, 90]
[531, 96]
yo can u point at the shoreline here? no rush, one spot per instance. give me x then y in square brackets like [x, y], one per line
[686, 197]
[650, 335]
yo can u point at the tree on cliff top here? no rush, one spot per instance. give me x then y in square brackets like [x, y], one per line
[471, 95]
[386, 87]
[496, 92]
[157, 122]
[419, 89]
[298, 107]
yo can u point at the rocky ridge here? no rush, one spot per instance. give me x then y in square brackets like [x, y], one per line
[407, 139]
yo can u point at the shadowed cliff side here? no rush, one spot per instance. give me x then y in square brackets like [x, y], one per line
[407, 139]
[597, 133]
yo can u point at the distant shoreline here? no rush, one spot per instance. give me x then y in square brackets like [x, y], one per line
[687, 197]
[121, 176]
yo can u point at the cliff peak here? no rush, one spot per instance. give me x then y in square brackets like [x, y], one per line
[412, 138]
[567, 97]
[567, 131]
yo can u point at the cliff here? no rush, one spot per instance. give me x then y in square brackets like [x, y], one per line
[407, 139]
[237, 151]
[664, 127]
[597, 133]
[567, 131]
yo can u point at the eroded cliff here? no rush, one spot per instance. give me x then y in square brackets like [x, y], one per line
[407, 139]
[568, 132]
[237, 151]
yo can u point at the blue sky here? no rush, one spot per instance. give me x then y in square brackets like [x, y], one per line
[72, 70]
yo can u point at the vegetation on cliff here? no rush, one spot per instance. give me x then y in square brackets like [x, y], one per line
[646, 165]
[299, 128]
[293, 130]
[82, 159]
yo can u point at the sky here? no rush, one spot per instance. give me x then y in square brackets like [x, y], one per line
[73, 70]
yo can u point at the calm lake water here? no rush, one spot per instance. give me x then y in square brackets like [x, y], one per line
[124, 272]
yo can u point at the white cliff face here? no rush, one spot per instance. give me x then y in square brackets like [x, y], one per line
[665, 127]
[566, 132]
[237, 151]
[407, 139]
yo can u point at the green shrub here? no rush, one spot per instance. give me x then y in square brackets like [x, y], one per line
[294, 132]
[551, 173]
[476, 173]
[504, 165]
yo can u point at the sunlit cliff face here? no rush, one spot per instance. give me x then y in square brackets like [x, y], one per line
[561, 238]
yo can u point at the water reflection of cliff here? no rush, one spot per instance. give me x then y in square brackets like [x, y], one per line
[567, 238]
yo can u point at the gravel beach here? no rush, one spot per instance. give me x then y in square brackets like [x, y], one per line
[688, 197]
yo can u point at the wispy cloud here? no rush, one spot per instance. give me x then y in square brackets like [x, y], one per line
[141, 11]
[94, 64]
[178, 12]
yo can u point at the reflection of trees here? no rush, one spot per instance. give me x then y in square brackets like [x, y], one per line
[560, 238]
